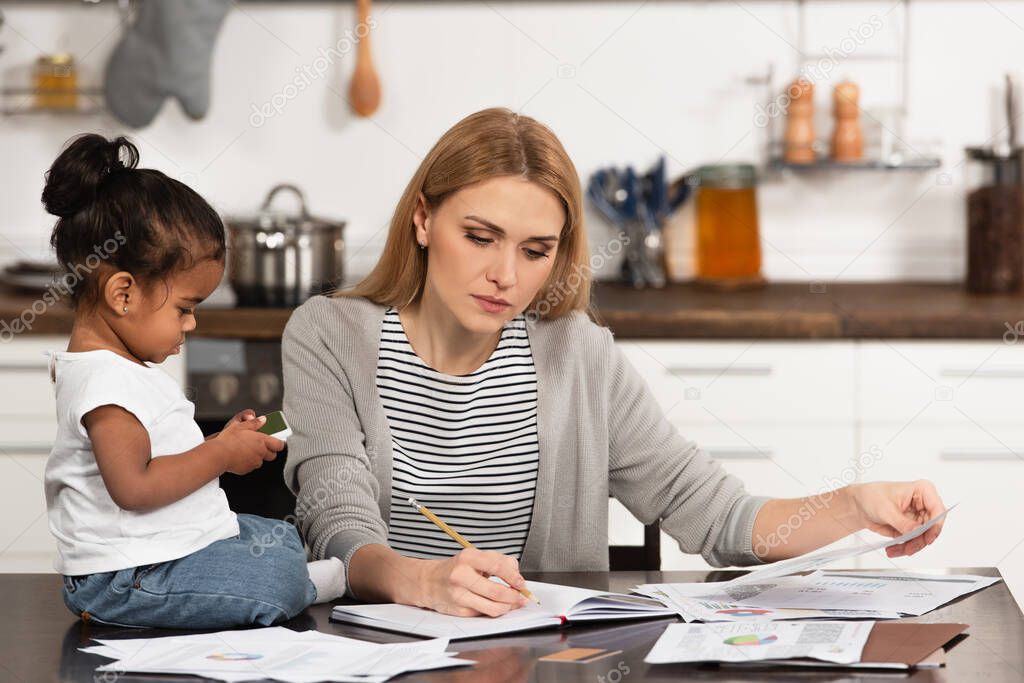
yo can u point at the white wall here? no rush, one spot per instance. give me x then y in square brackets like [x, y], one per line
[636, 80]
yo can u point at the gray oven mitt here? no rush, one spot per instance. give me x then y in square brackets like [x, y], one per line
[165, 52]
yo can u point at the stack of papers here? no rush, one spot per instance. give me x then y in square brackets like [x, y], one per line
[861, 594]
[775, 592]
[274, 653]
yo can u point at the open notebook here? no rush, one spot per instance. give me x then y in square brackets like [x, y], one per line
[558, 605]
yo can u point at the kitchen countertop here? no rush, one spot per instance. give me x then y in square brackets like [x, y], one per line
[780, 310]
[805, 310]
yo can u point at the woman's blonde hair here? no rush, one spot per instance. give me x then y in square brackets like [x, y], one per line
[490, 143]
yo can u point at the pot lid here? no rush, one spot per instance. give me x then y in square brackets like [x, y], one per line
[270, 218]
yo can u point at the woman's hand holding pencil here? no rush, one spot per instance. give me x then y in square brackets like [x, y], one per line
[461, 585]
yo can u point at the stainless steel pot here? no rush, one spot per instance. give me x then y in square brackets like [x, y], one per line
[276, 259]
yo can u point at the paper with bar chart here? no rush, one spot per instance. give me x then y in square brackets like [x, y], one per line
[866, 594]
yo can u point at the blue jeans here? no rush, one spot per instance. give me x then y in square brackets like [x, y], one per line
[257, 577]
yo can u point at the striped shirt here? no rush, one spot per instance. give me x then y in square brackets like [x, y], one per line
[464, 445]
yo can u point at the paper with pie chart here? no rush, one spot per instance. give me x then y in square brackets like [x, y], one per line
[272, 653]
[840, 642]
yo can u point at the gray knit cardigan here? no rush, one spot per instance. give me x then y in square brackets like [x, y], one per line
[600, 432]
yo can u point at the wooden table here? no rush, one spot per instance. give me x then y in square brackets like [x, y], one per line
[39, 639]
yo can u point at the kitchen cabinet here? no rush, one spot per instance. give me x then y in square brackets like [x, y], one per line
[947, 381]
[978, 469]
[779, 415]
[772, 460]
[25, 541]
[796, 418]
[749, 381]
[948, 412]
[25, 388]
[27, 428]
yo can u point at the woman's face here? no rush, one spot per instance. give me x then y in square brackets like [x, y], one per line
[490, 248]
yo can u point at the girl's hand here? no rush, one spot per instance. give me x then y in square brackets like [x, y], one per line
[246, 449]
[241, 416]
[893, 508]
[461, 585]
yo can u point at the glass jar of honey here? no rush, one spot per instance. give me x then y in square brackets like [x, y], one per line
[728, 237]
[56, 82]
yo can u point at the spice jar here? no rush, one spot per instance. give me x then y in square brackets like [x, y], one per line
[995, 221]
[56, 81]
[728, 237]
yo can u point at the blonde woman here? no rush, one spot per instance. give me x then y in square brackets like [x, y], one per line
[465, 372]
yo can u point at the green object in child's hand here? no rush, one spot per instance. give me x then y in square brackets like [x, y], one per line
[276, 426]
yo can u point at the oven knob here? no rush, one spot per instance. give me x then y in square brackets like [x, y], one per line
[224, 388]
[266, 387]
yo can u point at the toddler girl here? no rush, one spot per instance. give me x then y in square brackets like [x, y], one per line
[144, 532]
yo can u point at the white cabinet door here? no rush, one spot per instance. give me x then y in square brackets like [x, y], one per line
[26, 544]
[981, 468]
[27, 429]
[758, 381]
[949, 411]
[780, 415]
[779, 462]
[963, 382]
[25, 387]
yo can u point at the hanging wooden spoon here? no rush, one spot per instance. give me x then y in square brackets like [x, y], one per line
[364, 91]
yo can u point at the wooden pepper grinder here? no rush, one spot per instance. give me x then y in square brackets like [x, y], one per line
[847, 139]
[800, 123]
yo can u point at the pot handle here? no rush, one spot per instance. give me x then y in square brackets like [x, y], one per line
[303, 212]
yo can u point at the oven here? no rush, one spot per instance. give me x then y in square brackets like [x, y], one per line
[223, 377]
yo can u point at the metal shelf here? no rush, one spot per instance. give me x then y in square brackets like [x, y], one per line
[21, 101]
[911, 164]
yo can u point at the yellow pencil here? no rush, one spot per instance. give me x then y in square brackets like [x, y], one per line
[457, 537]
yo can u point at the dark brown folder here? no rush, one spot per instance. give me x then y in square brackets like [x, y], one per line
[890, 645]
[906, 643]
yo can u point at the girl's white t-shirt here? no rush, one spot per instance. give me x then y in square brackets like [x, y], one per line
[94, 534]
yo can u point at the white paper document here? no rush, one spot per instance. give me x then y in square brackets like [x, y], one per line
[845, 594]
[274, 653]
[911, 594]
[709, 610]
[840, 642]
[812, 561]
